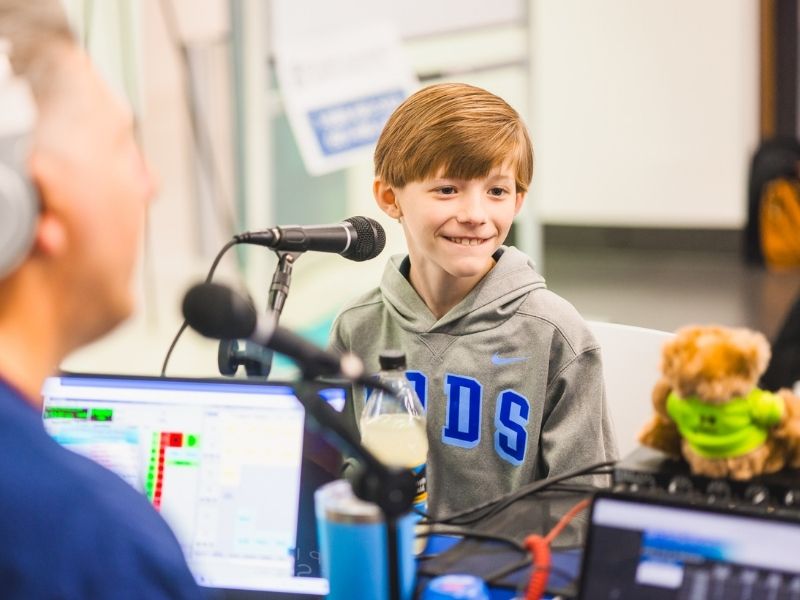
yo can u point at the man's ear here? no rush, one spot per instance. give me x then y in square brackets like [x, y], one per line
[519, 201]
[51, 236]
[386, 198]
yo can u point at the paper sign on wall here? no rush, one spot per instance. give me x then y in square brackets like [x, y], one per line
[338, 90]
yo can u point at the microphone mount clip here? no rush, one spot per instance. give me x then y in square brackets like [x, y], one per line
[256, 359]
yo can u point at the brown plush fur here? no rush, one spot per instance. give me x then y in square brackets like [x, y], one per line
[715, 364]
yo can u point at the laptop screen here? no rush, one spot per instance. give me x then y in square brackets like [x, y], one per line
[226, 463]
[640, 547]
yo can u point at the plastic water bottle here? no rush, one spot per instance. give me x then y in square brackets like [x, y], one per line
[393, 425]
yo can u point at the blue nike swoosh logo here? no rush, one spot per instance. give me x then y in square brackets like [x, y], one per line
[499, 360]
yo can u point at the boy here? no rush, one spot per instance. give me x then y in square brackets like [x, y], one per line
[508, 372]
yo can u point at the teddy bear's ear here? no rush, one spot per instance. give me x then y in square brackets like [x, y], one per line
[757, 349]
[679, 350]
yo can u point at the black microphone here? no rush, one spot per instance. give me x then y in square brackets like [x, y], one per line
[356, 238]
[216, 311]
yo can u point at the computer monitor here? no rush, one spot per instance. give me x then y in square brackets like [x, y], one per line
[228, 463]
[662, 549]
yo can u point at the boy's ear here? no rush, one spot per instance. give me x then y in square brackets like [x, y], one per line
[520, 200]
[386, 199]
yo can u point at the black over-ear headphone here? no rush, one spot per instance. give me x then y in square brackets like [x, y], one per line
[19, 202]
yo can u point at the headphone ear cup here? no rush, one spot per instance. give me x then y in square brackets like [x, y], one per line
[19, 208]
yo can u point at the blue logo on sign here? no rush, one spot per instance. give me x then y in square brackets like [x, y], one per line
[349, 125]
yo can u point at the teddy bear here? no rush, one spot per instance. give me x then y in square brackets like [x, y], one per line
[709, 409]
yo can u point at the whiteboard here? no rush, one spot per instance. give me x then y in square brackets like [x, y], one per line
[645, 113]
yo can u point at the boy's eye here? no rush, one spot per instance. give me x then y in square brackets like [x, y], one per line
[447, 190]
[497, 191]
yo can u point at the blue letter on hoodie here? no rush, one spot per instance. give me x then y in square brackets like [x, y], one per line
[463, 422]
[510, 419]
[420, 383]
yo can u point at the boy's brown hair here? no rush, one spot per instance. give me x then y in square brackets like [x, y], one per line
[458, 128]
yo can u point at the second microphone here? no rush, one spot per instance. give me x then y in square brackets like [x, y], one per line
[356, 238]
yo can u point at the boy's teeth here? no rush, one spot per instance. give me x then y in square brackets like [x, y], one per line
[466, 241]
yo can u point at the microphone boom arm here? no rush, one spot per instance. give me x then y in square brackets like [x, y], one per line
[258, 361]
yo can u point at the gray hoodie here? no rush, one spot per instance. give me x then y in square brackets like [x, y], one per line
[510, 378]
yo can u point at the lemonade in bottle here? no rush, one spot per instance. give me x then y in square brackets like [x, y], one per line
[393, 425]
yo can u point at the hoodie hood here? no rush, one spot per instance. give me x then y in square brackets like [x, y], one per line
[494, 299]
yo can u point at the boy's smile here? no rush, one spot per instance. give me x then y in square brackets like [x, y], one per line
[468, 241]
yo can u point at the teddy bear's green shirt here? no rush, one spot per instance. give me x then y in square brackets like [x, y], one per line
[726, 430]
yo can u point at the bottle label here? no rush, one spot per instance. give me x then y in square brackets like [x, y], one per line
[421, 497]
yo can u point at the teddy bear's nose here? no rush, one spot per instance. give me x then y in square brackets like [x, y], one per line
[708, 421]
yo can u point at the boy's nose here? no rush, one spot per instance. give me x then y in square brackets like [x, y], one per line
[471, 209]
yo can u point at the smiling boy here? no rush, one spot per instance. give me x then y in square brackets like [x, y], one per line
[509, 373]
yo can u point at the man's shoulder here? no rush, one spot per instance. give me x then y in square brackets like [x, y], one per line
[51, 480]
[67, 516]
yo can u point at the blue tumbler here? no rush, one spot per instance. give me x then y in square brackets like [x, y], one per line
[352, 545]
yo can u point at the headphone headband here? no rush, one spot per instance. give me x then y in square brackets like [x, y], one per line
[19, 203]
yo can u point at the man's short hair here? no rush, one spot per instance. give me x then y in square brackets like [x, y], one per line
[458, 128]
[37, 30]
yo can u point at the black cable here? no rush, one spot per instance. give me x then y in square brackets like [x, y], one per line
[501, 504]
[200, 134]
[492, 507]
[533, 487]
[183, 326]
[478, 535]
[580, 488]
[506, 570]
[577, 488]
[492, 578]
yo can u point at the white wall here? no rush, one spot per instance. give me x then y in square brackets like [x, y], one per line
[645, 112]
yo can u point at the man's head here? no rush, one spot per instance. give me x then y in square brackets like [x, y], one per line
[453, 164]
[92, 181]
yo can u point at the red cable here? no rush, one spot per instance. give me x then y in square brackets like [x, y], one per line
[540, 550]
[539, 547]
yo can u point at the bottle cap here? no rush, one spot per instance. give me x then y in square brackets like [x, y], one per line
[392, 359]
[462, 587]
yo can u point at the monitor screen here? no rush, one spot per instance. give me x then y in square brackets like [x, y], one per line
[642, 547]
[228, 464]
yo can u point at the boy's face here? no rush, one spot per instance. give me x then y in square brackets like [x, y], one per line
[453, 226]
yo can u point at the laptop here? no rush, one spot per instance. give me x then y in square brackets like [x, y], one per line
[229, 464]
[657, 548]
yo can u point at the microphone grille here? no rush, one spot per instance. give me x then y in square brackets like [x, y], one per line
[218, 312]
[370, 239]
